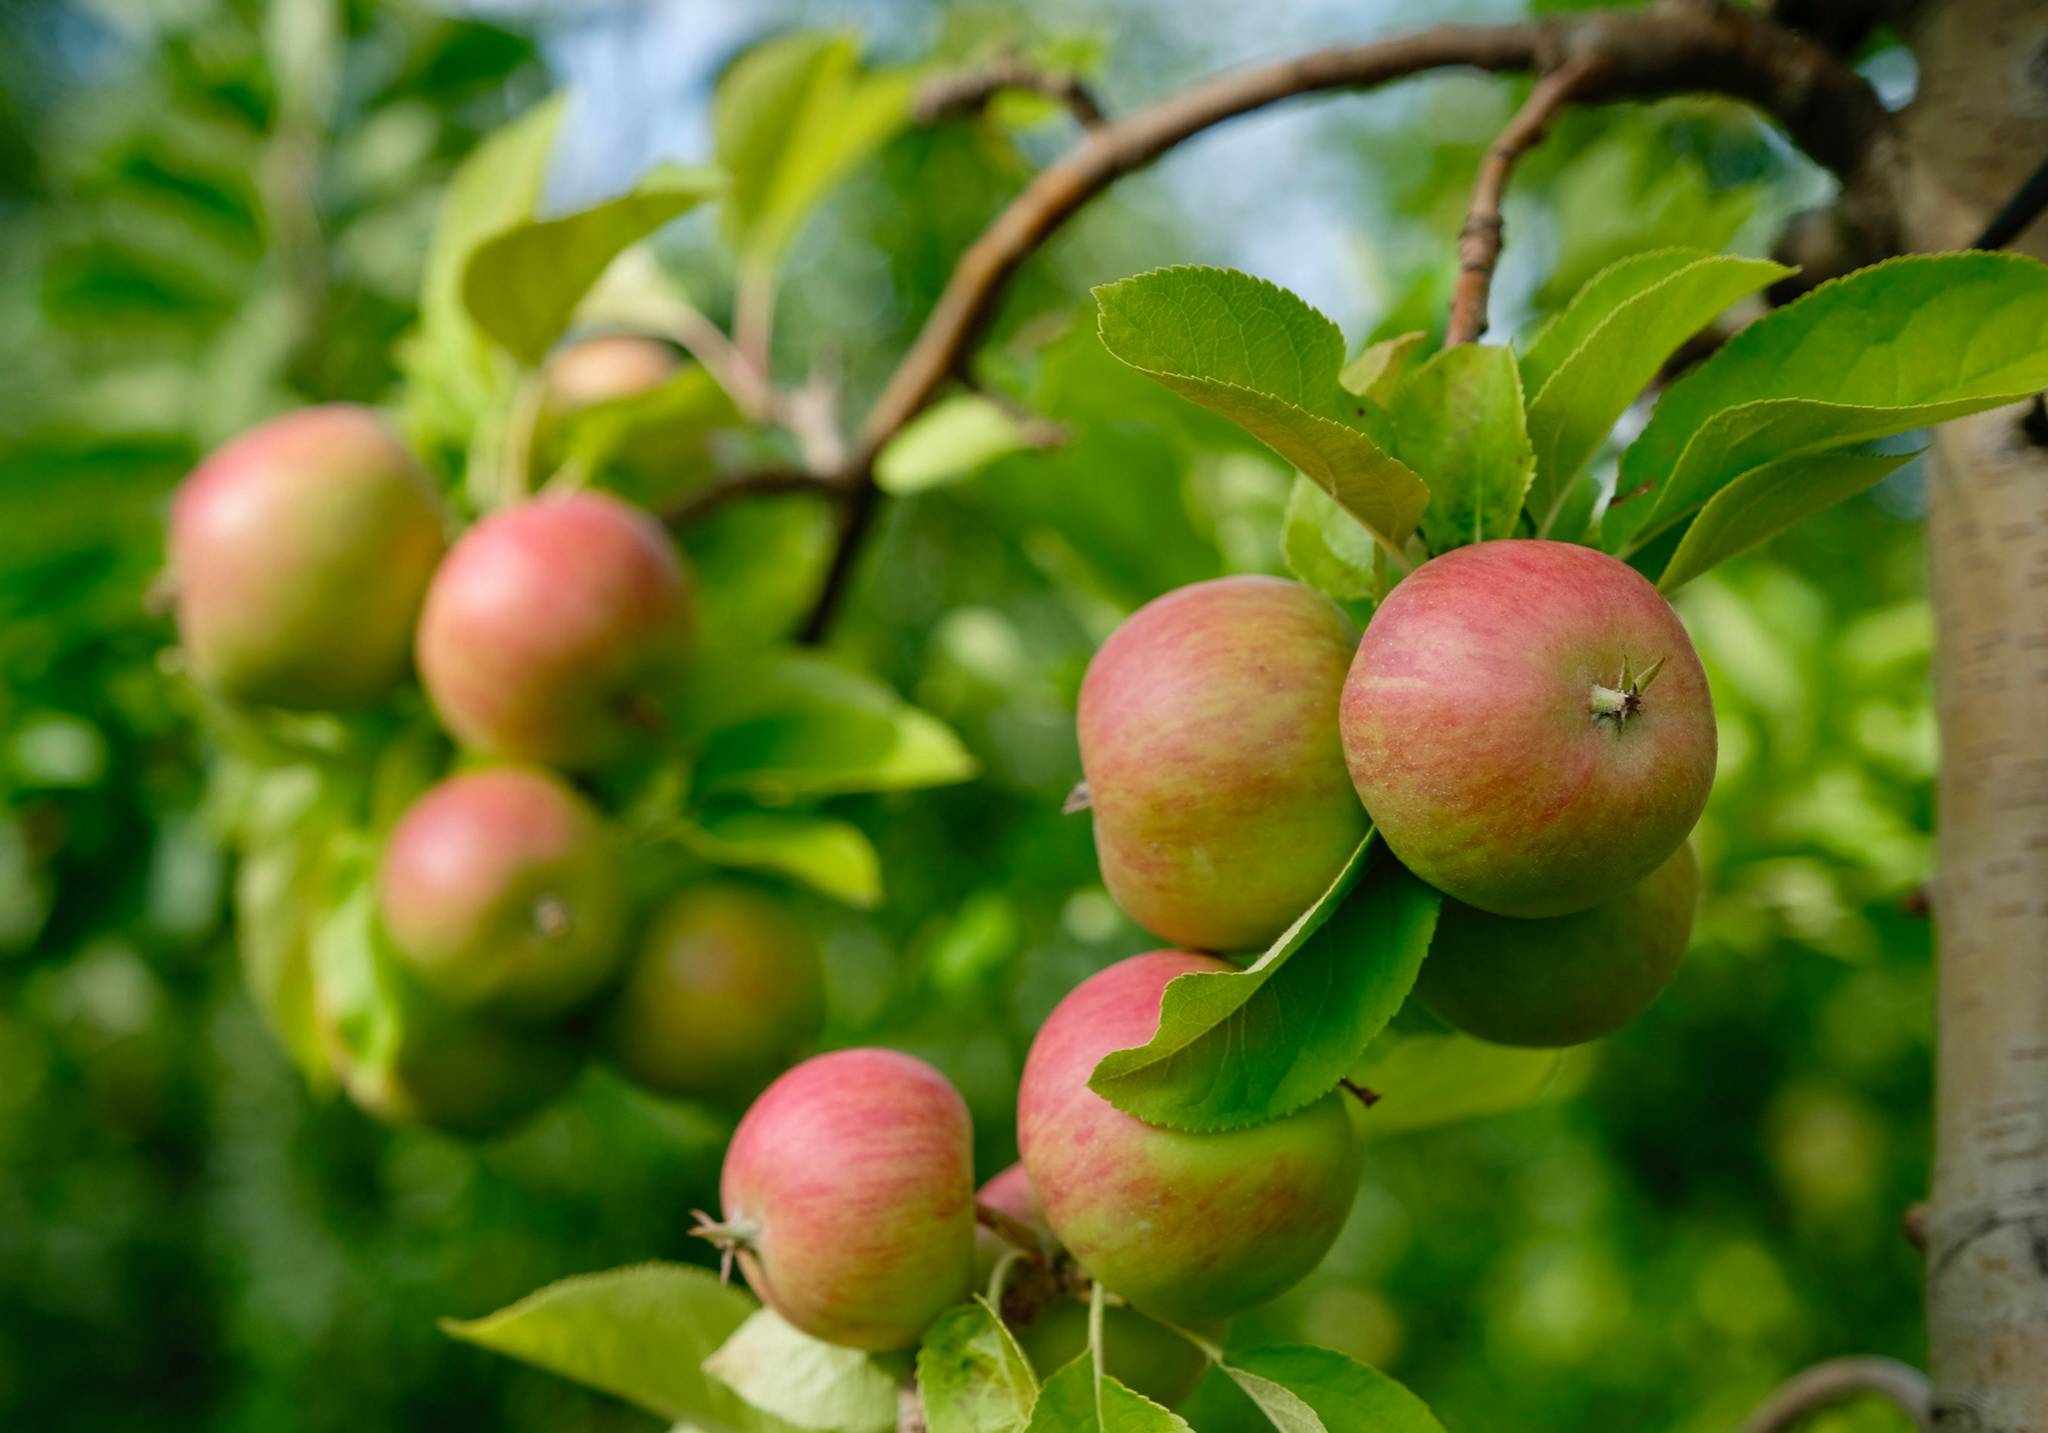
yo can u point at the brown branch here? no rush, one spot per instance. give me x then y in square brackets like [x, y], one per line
[1479, 242]
[770, 482]
[1841, 25]
[1674, 47]
[1840, 1379]
[969, 91]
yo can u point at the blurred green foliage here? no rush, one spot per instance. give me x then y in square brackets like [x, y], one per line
[212, 210]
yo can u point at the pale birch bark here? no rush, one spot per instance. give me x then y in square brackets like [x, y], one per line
[1978, 126]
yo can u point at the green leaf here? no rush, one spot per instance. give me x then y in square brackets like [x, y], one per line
[834, 857]
[790, 118]
[687, 407]
[286, 822]
[641, 1333]
[1324, 545]
[1561, 335]
[1437, 1077]
[1765, 501]
[953, 439]
[1261, 357]
[522, 283]
[1377, 371]
[353, 972]
[497, 187]
[972, 1376]
[1896, 346]
[803, 1381]
[1635, 186]
[275, 886]
[1324, 1389]
[1594, 382]
[1462, 428]
[783, 724]
[1075, 1401]
[1283, 1409]
[1239, 1048]
[456, 372]
[1124, 1410]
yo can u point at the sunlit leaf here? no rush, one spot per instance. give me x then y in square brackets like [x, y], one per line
[780, 724]
[1899, 345]
[789, 1375]
[1426, 1078]
[1075, 1401]
[641, 1333]
[1335, 1393]
[1588, 387]
[1461, 427]
[523, 282]
[830, 856]
[791, 118]
[972, 1376]
[1257, 354]
[1325, 546]
[950, 440]
[1239, 1048]
[1765, 501]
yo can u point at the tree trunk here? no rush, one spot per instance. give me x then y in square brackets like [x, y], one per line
[1977, 128]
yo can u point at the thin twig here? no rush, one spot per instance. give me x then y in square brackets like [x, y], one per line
[753, 318]
[809, 413]
[515, 456]
[1479, 242]
[1840, 1379]
[1675, 47]
[721, 358]
[769, 482]
[969, 91]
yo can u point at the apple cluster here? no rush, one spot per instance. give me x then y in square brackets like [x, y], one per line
[849, 1200]
[1527, 727]
[1524, 724]
[312, 572]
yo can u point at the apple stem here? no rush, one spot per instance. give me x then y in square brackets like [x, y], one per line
[1611, 702]
[999, 1277]
[1625, 698]
[1015, 1233]
[1367, 1098]
[551, 916]
[1095, 1307]
[729, 1236]
[1209, 1348]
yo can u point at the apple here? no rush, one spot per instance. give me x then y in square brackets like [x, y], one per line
[1529, 726]
[1141, 1353]
[299, 555]
[1189, 1227]
[608, 367]
[1208, 732]
[501, 892]
[555, 630]
[1565, 979]
[725, 991]
[848, 1196]
[462, 1074]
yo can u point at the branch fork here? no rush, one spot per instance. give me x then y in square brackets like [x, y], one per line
[1671, 47]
